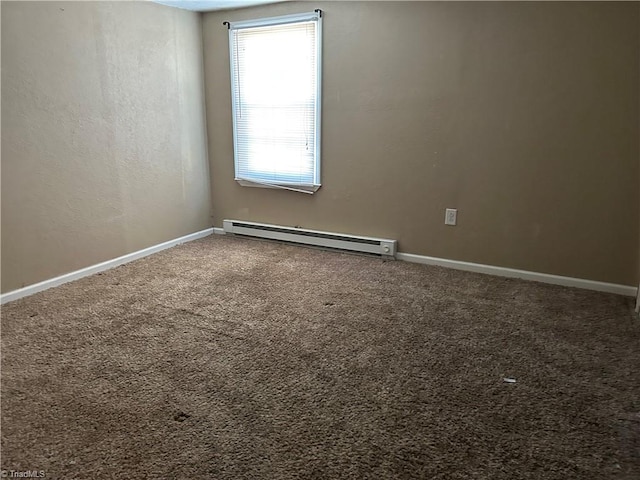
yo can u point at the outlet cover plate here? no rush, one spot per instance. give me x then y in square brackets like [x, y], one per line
[450, 216]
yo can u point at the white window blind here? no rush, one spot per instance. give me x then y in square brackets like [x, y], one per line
[275, 83]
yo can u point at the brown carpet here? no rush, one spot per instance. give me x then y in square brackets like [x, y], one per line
[230, 358]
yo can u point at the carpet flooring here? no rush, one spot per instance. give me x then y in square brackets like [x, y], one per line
[230, 358]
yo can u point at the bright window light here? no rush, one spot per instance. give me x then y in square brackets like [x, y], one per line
[275, 83]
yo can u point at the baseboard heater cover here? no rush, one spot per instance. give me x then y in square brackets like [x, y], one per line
[377, 246]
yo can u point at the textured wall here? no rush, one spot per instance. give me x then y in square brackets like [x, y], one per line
[103, 133]
[522, 115]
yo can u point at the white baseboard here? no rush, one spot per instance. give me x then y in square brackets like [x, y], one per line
[524, 274]
[407, 257]
[100, 267]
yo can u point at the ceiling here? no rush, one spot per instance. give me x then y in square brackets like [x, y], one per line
[209, 5]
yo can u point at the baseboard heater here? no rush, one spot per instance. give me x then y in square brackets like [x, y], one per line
[375, 246]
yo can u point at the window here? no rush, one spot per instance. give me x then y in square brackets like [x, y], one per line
[275, 91]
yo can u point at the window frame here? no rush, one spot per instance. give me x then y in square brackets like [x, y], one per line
[315, 16]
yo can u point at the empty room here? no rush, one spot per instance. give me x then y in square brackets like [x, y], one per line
[320, 240]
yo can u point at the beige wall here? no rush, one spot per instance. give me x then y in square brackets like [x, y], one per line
[103, 133]
[524, 116]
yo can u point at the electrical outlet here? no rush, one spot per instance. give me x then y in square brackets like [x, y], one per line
[450, 216]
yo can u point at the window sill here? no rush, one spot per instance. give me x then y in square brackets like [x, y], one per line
[311, 189]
